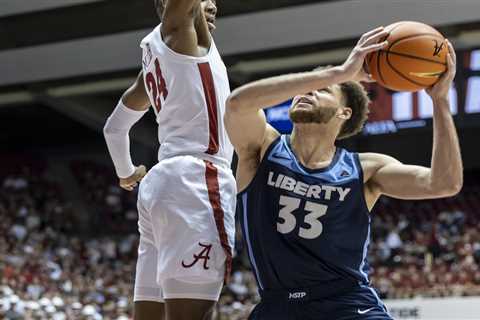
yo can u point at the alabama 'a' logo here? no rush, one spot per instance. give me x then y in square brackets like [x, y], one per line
[204, 255]
[438, 48]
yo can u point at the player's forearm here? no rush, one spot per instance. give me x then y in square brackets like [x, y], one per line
[446, 166]
[118, 143]
[116, 133]
[272, 91]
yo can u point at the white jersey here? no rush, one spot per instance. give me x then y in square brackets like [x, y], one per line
[188, 95]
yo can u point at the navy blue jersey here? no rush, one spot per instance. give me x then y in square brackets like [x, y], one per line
[305, 227]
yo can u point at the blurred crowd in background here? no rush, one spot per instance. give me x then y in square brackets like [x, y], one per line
[52, 268]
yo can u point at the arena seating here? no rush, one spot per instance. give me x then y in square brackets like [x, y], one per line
[49, 270]
[114, 208]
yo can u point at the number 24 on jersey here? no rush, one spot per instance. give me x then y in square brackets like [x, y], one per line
[156, 86]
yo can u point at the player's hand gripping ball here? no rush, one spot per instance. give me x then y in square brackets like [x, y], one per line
[414, 59]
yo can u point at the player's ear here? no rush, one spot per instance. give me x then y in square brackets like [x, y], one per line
[344, 113]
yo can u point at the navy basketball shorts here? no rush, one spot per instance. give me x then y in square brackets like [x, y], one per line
[361, 303]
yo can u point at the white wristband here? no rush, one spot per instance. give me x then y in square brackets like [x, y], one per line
[116, 131]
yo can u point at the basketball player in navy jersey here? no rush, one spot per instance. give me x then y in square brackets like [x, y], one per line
[305, 203]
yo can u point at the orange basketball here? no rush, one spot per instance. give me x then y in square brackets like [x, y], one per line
[416, 56]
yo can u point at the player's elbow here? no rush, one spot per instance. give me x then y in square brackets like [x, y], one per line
[456, 186]
[449, 188]
[109, 130]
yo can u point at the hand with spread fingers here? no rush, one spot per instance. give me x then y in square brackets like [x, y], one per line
[441, 89]
[353, 66]
[131, 182]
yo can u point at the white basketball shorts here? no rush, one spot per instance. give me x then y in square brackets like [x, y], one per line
[186, 209]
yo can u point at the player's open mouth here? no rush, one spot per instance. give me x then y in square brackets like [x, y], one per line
[304, 102]
[303, 105]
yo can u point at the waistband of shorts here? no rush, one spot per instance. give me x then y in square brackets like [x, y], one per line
[328, 289]
[202, 156]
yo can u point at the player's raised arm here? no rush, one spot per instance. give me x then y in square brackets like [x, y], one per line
[131, 107]
[178, 25]
[445, 176]
[245, 103]
[179, 14]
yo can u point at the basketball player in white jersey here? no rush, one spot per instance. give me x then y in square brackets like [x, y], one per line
[186, 202]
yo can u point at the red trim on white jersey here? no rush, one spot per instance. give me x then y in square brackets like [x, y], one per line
[211, 175]
[415, 107]
[211, 100]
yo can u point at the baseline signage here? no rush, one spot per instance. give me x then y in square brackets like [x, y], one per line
[462, 308]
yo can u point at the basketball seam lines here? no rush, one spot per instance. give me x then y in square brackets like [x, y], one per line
[379, 54]
[379, 71]
[406, 55]
[404, 76]
[413, 36]
[387, 52]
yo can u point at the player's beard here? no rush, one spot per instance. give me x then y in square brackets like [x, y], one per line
[315, 115]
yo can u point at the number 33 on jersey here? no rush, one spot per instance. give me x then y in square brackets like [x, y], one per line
[316, 221]
[314, 211]
[290, 204]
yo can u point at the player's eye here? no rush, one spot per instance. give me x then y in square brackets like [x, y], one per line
[327, 90]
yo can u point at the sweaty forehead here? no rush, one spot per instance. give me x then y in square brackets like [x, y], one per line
[336, 90]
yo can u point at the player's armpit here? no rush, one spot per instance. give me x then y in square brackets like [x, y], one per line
[386, 175]
[248, 131]
[250, 135]
[136, 97]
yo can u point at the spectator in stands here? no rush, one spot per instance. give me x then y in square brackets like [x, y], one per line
[48, 270]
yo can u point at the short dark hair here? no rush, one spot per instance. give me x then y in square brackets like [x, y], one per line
[356, 98]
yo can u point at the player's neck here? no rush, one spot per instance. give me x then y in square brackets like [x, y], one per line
[313, 145]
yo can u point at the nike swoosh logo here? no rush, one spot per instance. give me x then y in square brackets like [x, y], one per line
[364, 311]
[279, 156]
[426, 74]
